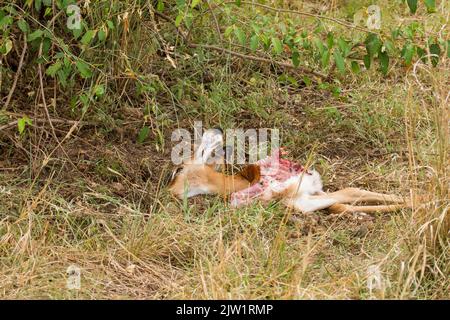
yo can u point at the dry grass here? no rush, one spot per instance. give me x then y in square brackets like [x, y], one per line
[99, 203]
[132, 247]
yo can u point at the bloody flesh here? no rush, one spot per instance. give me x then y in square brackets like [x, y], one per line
[274, 170]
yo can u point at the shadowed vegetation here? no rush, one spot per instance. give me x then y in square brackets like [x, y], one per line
[86, 117]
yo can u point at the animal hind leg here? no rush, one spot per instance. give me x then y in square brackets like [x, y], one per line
[346, 208]
[353, 195]
[308, 203]
[313, 203]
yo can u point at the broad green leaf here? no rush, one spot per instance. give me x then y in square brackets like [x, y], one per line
[256, 28]
[412, 4]
[23, 26]
[344, 46]
[408, 53]
[179, 19]
[48, 12]
[336, 92]
[330, 40]
[277, 45]
[188, 18]
[325, 58]
[54, 68]
[88, 36]
[143, 134]
[110, 24]
[6, 21]
[421, 53]
[29, 3]
[180, 4]
[367, 61]
[395, 33]
[431, 5]
[194, 3]
[22, 122]
[265, 40]
[228, 31]
[323, 86]
[59, 55]
[10, 9]
[435, 50]
[78, 32]
[355, 67]
[240, 35]
[390, 47]
[67, 62]
[160, 6]
[101, 35]
[38, 5]
[46, 45]
[35, 35]
[306, 44]
[254, 42]
[21, 125]
[84, 99]
[373, 44]
[84, 69]
[384, 62]
[6, 47]
[307, 81]
[339, 60]
[295, 58]
[99, 90]
[62, 78]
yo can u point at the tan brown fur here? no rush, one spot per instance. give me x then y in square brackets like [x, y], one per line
[215, 182]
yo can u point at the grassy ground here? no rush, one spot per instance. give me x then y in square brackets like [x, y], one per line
[98, 202]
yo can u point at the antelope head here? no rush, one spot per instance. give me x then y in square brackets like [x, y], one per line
[198, 175]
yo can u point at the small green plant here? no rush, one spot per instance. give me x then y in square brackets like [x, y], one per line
[22, 123]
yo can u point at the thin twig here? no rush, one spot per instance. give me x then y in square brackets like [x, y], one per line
[161, 41]
[256, 58]
[56, 16]
[16, 77]
[41, 82]
[307, 14]
[44, 120]
[72, 129]
[219, 33]
[237, 54]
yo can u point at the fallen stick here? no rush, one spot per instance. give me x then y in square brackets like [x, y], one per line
[16, 77]
[44, 120]
[256, 58]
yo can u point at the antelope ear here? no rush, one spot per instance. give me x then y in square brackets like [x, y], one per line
[251, 173]
[212, 142]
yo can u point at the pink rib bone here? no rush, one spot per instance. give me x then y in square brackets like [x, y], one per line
[274, 170]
